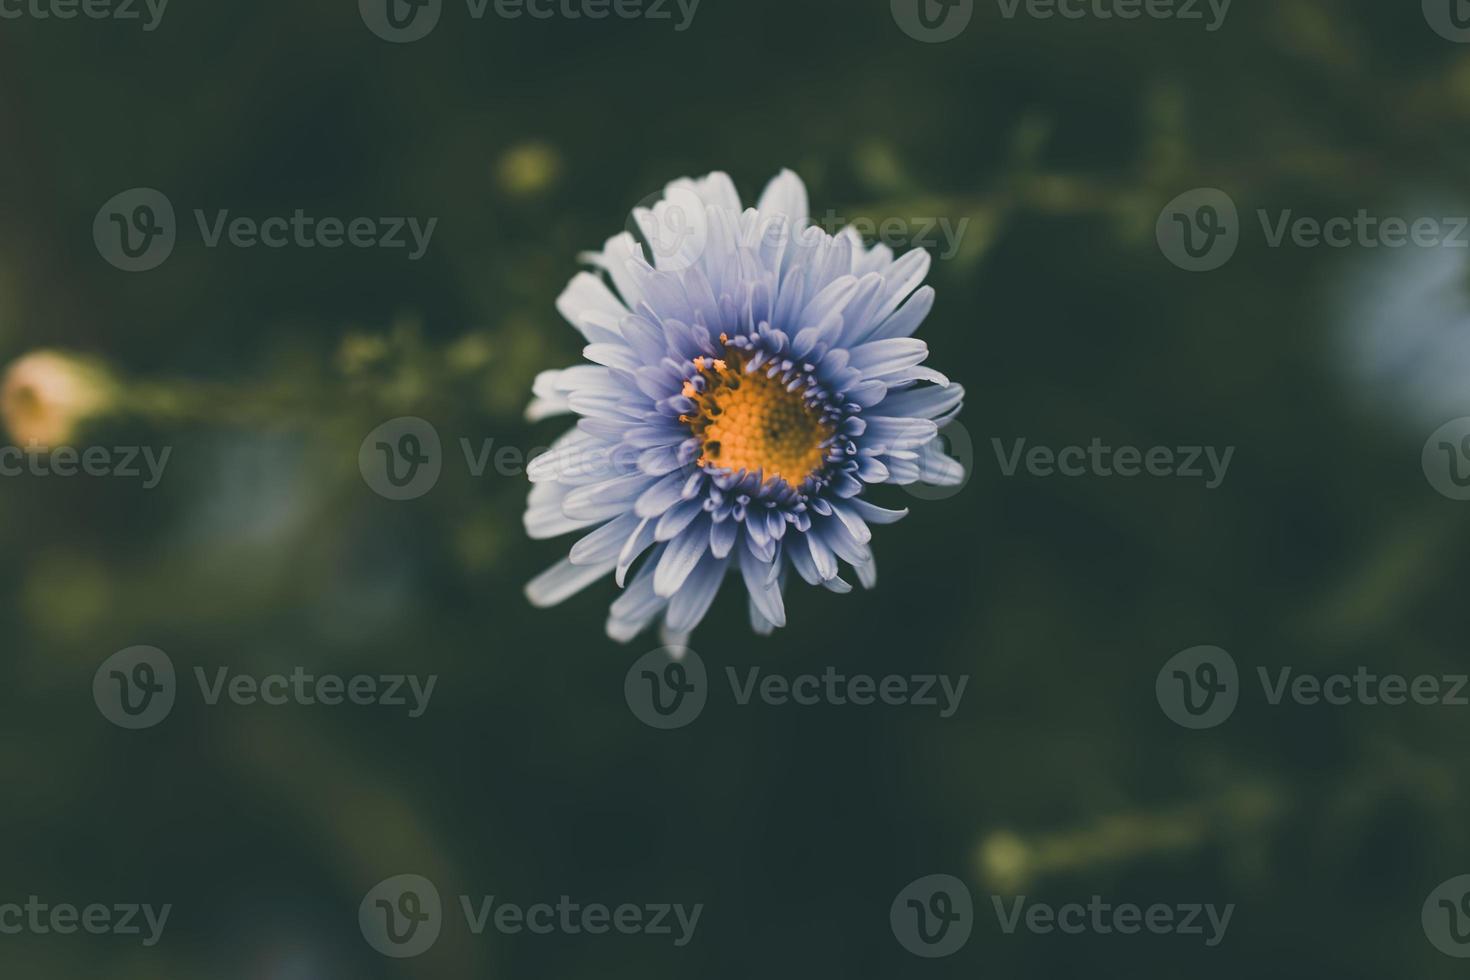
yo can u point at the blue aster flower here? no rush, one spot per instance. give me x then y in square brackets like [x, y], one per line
[744, 393]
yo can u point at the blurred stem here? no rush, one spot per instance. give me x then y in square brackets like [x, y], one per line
[189, 401]
[1008, 862]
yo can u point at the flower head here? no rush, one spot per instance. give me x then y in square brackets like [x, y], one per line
[47, 395]
[744, 392]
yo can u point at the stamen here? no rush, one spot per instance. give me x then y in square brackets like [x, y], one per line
[766, 422]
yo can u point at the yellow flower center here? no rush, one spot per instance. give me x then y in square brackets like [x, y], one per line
[751, 422]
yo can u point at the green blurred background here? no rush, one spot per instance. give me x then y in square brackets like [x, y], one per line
[529, 778]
